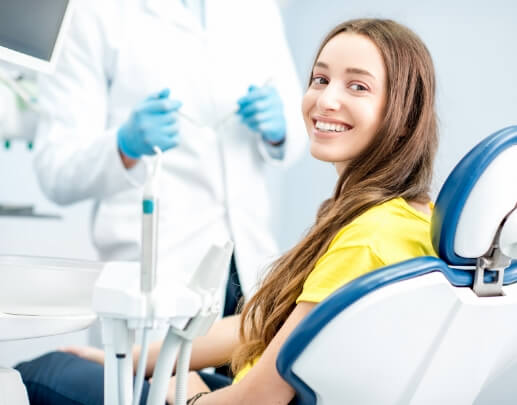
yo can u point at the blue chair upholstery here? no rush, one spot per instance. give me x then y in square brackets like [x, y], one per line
[457, 188]
[444, 303]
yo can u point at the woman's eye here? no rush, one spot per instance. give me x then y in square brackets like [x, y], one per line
[358, 87]
[318, 80]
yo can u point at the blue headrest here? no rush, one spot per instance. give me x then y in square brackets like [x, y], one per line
[457, 189]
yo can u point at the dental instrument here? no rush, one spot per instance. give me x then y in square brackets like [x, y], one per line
[190, 119]
[224, 119]
[150, 207]
[150, 226]
[128, 298]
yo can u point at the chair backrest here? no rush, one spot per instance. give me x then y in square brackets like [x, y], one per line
[416, 332]
[479, 192]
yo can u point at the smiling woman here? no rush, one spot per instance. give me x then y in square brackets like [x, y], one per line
[370, 110]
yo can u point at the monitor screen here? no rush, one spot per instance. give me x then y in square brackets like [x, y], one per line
[32, 27]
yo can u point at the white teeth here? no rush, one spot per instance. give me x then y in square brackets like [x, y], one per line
[330, 127]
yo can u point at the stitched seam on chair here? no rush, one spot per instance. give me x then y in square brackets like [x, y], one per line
[45, 388]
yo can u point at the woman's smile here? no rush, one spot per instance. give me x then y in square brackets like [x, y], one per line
[329, 128]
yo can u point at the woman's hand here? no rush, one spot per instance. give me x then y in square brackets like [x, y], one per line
[86, 352]
[195, 385]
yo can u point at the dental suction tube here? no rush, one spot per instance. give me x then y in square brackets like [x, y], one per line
[150, 206]
[149, 230]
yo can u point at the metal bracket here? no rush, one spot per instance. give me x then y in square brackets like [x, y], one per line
[491, 266]
[495, 263]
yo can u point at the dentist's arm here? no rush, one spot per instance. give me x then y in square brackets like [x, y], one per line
[76, 153]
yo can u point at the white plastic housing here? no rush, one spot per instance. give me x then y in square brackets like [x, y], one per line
[508, 236]
[43, 296]
[496, 188]
[117, 294]
[420, 341]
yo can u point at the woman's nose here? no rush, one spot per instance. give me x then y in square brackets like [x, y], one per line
[330, 99]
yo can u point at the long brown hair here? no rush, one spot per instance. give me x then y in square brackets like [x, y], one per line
[397, 163]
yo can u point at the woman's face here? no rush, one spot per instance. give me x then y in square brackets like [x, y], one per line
[344, 105]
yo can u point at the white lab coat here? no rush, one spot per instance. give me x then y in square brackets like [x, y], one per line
[213, 184]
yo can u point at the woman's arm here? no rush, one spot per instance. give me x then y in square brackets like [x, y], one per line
[262, 385]
[213, 349]
[217, 346]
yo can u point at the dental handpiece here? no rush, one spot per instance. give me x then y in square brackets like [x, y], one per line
[227, 117]
[222, 120]
[189, 119]
[150, 212]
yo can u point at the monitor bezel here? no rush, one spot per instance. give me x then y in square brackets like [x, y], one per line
[31, 62]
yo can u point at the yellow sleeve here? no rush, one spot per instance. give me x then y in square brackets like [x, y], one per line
[336, 268]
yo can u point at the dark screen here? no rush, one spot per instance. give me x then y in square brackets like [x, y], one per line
[31, 26]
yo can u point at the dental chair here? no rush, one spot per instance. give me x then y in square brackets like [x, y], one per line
[41, 297]
[428, 330]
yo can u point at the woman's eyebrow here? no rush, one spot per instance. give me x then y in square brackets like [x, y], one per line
[321, 65]
[359, 72]
[355, 70]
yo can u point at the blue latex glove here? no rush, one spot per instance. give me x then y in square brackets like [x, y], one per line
[152, 123]
[262, 111]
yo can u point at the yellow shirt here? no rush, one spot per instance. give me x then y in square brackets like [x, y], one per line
[385, 234]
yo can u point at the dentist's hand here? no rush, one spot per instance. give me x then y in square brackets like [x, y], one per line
[262, 110]
[152, 123]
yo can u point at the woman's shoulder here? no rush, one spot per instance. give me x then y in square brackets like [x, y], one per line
[392, 210]
[385, 234]
[383, 223]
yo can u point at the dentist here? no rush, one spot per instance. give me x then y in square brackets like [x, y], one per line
[188, 77]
